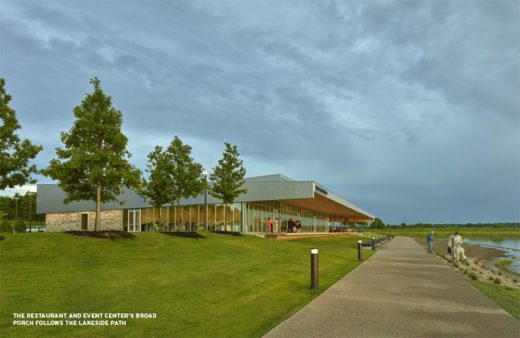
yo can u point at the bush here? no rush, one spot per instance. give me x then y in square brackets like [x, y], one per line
[19, 225]
[498, 281]
[5, 226]
[456, 264]
[472, 275]
[491, 278]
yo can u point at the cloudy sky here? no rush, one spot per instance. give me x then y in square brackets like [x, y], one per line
[409, 109]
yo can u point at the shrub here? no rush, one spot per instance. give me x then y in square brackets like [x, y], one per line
[515, 280]
[499, 273]
[498, 280]
[456, 264]
[5, 226]
[491, 278]
[19, 225]
[472, 275]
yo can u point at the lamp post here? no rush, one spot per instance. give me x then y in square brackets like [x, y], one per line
[205, 173]
[30, 193]
[16, 207]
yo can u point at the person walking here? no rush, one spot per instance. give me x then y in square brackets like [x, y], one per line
[429, 239]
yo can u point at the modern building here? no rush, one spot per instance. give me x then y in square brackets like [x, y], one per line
[285, 201]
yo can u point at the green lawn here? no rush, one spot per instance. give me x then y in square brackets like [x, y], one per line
[217, 286]
[508, 298]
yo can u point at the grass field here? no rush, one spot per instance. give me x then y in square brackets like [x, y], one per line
[216, 286]
[446, 232]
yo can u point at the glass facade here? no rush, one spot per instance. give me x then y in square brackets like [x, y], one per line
[284, 218]
[241, 217]
[184, 218]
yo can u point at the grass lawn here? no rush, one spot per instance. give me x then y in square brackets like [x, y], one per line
[508, 298]
[216, 286]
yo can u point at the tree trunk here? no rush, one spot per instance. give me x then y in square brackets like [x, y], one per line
[98, 207]
[178, 204]
[225, 218]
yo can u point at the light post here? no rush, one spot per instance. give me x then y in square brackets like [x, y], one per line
[205, 173]
[30, 193]
[16, 207]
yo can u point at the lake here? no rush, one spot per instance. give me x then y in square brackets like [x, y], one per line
[510, 244]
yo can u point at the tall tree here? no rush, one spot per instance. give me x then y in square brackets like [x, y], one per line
[173, 175]
[94, 163]
[228, 177]
[157, 188]
[186, 174]
[15, 154]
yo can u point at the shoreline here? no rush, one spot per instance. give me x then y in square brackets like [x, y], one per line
[471, 250]
[481, 260]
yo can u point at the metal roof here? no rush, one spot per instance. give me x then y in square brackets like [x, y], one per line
[306, 194]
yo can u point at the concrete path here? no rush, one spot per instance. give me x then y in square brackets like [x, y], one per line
[401, 291]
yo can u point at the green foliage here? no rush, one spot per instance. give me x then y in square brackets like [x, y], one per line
[157, 188]
[5, 226]
[19, 225]
[186, 174]
[377, 224]
[228, 176]
[173, 174]
[15, 154]
[94, 163]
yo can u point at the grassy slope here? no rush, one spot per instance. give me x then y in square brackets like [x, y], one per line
[217, 286]
[507, 298]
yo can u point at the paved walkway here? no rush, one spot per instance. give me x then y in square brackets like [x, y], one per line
[401, 291]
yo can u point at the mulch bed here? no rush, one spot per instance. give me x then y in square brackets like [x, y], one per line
[107, 234]
[185, 234]
[230, 233]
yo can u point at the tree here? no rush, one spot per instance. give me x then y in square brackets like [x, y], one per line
[186, 174]
[377, 224]
[173, 175]
[94, 163]
[15, 154]
[157, 188]
[228, 177]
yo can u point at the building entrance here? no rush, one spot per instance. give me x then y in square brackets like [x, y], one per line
[134, 220]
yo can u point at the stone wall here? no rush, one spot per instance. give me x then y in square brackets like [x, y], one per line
[110, 220]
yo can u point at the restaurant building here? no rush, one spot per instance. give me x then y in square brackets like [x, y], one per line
[275, 197]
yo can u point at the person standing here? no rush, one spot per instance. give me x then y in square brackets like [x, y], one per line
[457, 247]
[429, 239]
[451, 246]
[269, 224]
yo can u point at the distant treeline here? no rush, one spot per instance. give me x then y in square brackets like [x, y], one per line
[454, 225]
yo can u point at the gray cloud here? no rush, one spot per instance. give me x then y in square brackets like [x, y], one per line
[408, 108]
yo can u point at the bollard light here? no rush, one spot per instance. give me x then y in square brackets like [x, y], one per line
[359, 250]
[314, 269]
[373, 244]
